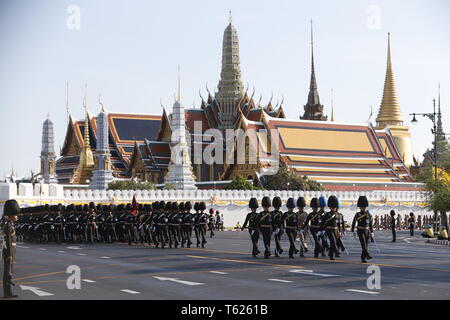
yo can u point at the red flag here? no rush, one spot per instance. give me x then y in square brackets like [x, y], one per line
[134, 206]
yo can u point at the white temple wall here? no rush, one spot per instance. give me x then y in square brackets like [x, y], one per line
[231, 203]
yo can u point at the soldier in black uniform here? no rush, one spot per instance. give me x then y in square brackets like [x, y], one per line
[60, 225]
[411, 224]
[301, 219]
[202, 223]
[130, 225]
[363, 222]
[186, 225]
[252, 221]
[330, 226]
[291, 223]
[392, 223]
[110, 224]
[10, 212]
[265, 225]
[322, 234]
[211, 223]
[90, 224]
[278, 223]
[172, 225]
[196, 222]
[314, 218]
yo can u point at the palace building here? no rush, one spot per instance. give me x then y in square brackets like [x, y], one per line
[335, 154]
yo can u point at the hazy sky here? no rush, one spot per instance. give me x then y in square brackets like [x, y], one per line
[129, 51]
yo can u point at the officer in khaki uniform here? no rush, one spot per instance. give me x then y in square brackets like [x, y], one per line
[10, 212]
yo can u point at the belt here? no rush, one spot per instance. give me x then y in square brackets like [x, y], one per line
[314, 226]
[289, 227]
[266, 226]
[363, 228]
[332, 228]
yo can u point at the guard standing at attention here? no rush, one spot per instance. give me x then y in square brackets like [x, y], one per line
[266, 225]
[10, 212]
[330, 226]
[278, 224]
[252, 221]
[411, 224]
[291, 221]
[392, 223]
[363, 221]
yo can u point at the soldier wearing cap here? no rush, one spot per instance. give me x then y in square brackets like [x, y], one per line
[265, 225]
[10, 212]
[202, 221]
[211, 222]
[313, 221]
[252, 221]
[290, 219]
[363, 222]
[330, 226]
[278, 225]
[301, 219]
[411, 224]
[392, 225]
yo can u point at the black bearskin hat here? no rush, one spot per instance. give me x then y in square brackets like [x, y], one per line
[253, 203]
[301, 202]
[174, 206]
[333, 202]
[11, 208]
[188, 206]
[266, 203]
[91, 205]
[314, 203]
[362, 202]
[290, 203]
[202, 206]
[196, 206]
[181, 206]
[155, 205]
[276, 202]
[168, 205]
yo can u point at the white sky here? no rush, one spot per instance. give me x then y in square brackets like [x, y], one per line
[129, 51]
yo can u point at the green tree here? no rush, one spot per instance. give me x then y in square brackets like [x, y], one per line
[239, 183]
[130, 185]
[286, 180]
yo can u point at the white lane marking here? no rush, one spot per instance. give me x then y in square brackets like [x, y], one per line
[279, 280]
[23, 247]
[74, 248]
[189, 283]
[407, 240]
[312, 273]
[87, 280]
[105, 257]
[42, 249]
[82, 254]
[36, 291]
[129, 291]
[362, 291]
[219, 272]
[61, 251]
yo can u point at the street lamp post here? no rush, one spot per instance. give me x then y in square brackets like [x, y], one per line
[432, 117]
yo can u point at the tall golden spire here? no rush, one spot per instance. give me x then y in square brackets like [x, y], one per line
[389, 113]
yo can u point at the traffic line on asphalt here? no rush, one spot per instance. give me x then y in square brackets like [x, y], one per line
[363, 291]
[189, 283]
[82, 254]
[407, 240]
[280, 280]
[312, 273]
[36, 291]
[130, 291]
[61, 251]
[23, 247]
[88, 281]
[104, 257]
[42, 249]
[243, 261]
[219, 272]
[74, 248]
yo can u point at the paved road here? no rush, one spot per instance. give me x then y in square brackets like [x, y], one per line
[410, 269]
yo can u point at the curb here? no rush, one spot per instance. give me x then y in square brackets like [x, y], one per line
[440, 242]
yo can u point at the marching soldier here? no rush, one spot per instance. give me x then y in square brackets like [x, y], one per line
[301, 219]
[90, 225]
[202, 222]
[277, 220]
[322, 233]
[314, 219]
[411, 224]
[252, 221]
[290, 219]
[187, 225]
[363, 222]
[59, 223]
[10, 212]
[110, 222]
[265, 225]
[330, 226]
[341, 229]
[211, 222]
